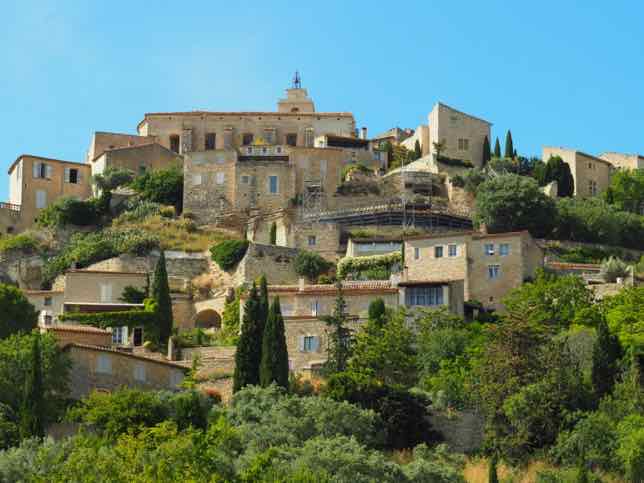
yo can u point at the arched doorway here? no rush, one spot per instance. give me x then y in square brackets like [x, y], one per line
[207, 319]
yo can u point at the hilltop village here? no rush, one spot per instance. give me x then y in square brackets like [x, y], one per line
[433, 275]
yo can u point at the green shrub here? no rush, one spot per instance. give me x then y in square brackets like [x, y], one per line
[133, 295]
[363, 267]
[310, 265]
[614, 268]
[137, 210]
[455, 162]
[228, 253]
[163, 186]
[458, 181]
[70, 211]
[350, 168]
[23, 242]
[167, 211]
[112, 178]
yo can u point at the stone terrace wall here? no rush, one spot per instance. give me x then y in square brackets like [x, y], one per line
[271, 260]
[179, 264]
[25, 270]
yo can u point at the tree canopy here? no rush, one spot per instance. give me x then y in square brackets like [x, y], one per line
[17, 314]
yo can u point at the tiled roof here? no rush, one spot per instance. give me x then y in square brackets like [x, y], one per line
[463, 113]
[137, 146]
[350, 287]
[126, 354]
[445, 281]
[43, 292]
[574, 266]
[86, 329]
[103, 272]
[54, 160]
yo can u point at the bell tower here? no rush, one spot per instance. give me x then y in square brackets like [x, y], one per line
[297, 99]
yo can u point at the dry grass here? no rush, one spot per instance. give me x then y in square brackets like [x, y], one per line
[180, 233]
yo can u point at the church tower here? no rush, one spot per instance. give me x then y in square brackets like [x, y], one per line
[297, 99]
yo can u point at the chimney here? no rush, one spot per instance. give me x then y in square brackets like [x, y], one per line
[363, 133]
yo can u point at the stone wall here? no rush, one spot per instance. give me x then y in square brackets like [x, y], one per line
[22, 269]
[66, 334]
[271, 260]
[183, 311]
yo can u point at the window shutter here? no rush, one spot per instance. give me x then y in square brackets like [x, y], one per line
[36, 169]
[316, 343]
[124, 339]
[48, 171]
[66, 175]
[78, 176]
[300, 340]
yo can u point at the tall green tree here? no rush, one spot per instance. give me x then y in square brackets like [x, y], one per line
[17, 314]
[274, 364]
[377, 311]
[606, 354]
[273, 234]
[339, 341]
[264, 304]
[509, 145]
[161, 295]
[418, 152]
[497, 148]
[559, 171]
[249, 348]
[487, 152]
[32, 410]
[626, 190]
[492, 470]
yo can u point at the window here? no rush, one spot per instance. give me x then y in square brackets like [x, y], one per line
[489, 248]
[312, 240]
[174, 143]
[309, 343]
[451, 250]
[119, 335]
[291, 139]
[269, 136]
[211, 139]
[72, 176]
[424, 296]
[42, 170]
[244, 179]
[493, 271]
[139, 373]
[438, 252]
[41, 199]
[247, 139]
[106, 292]
[416, 253]
[504, 249]
[196, 179]
[47, 319]
[220, 178]
[273, 185]
[315, 307]
[228, 138]
[308, 138]
[463, 144]
[104, 364]
[47, 302]
[592, 188]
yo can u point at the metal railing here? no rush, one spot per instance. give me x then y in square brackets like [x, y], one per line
[9, 206]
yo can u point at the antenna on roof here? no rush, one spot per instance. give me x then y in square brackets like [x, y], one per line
[297, 81]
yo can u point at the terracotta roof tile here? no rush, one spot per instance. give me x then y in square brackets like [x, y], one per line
[126, 354]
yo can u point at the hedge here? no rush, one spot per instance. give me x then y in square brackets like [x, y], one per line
[229, 253]
[21, 242]
[455, 162]
[375, 264]
[145, 318]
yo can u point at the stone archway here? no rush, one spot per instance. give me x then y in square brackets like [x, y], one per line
[207, 319]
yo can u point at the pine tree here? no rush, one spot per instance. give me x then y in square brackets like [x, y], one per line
[487, 154]
[32, 408]
[497, 148]
[417, 150]
[606, 354]
[161, 295]
[249, 346]
[274, 365]
[509, 145]
[493, 476]
[339, 344]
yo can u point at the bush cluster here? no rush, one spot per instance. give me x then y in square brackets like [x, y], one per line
[311, 265]
[23, 242]
[228, 253]
[351, 167]
[455, 162]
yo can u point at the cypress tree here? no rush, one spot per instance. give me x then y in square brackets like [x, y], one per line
[32, 408]
[274, 366]
[558, 170]
[161, 295]
[497, 148]
[248, 354]
[606, 354]
[417, 151]
[487, 154]
[273, 233]
[263, 304]
[493, 476]
[509, 145]
[377, 311]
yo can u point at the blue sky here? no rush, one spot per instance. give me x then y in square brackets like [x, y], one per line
[560, 73]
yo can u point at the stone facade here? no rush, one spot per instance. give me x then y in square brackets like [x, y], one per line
[100, 287]
[35, 182]
[487, 266]
[48, 304]
[66, 334]
[138, 159]
[275, 262]
[105, 141]
[102, 369]
[625, 161]
[591, 174]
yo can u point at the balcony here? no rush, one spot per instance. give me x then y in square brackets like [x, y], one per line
[10, 207]
[263, 152]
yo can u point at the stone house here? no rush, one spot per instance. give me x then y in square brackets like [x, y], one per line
[138, 159]
[66, 334]
[590, 173]
[459, 269]
[365, 247]
[106, 141]
[48, 304]
[35, 182]
[96, 368]
[624, 161]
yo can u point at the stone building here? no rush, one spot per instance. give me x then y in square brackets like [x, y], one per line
[590, 173]
[35, 182]
[106, 141]
[138, 158]
[66, 334]
[96, 368]
[460, 269]
[48, 304]
[625, 161]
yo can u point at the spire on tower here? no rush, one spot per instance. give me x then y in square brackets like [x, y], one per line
[297, 81]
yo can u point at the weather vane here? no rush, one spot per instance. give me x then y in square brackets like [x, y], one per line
[297, 81]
